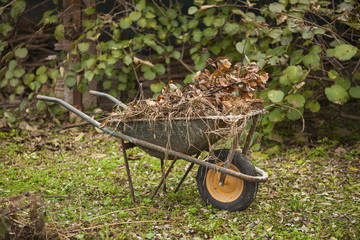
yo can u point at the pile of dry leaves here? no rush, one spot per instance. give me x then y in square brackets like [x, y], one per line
[221, 90]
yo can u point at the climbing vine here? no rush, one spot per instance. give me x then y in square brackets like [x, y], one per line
[309, 48]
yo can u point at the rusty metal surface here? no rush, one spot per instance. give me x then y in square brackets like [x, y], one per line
[188, 137]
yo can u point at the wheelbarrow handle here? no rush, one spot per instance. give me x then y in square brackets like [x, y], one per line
[70, 108]
[108, 96]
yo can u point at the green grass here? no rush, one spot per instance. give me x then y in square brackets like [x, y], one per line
[312, 192]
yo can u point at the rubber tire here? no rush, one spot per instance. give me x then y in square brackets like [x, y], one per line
[250, 188]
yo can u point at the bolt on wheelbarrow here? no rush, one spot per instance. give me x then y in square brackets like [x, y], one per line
[226, 179]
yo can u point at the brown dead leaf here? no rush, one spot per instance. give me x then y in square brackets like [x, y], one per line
[103, 123]
[264, 77]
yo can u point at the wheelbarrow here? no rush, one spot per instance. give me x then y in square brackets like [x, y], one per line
[226, 179]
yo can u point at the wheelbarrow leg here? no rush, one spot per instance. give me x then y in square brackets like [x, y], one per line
[128, 172]
[250, 135]
[183, 178]
[163, 179]
[185, 174]
[162, 164]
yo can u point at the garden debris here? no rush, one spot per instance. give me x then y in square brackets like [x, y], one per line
[223, 89]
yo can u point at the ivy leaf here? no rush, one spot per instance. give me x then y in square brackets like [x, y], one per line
[231, 28]
[53, 73]
[315, 49]
[313, 106]
[311, 60]
[9, 74]
[276, 32]
[12, 64]
[336, 94]
[209, 32]
[159, 69]
[127, 60]
[140, 5]
[17, 8]
[13, 82]
[171, 13]
[70, 81]
[333, 74]
[355, 92]
[330, 52]
[294, 73]
[148, 74]
[4, 82]
[42, 78]
[107, 84]
[19, 89]
[134, 16]
[215, 48]
[28, 77]
[89, 10]
[59, 32]
[83, 47]
[193, 23]
[197, 34]
[156, 88]
[219, 21]
[41, 70]
[294, 114]
[307, 34]
[18, 72]
[208, 20]
[21, 52]
[296, 57]
[192, 10]
[345, 52]
[319, 31]
[276, 95]
[276, 7]
[176, 55]
[5, 28]
[142, 22]
[297, 100]
[344, 82]
[284, 80]
[276, 115]
[89, 75]
[125, 23]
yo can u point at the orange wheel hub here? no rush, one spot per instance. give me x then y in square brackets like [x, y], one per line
[230, 191]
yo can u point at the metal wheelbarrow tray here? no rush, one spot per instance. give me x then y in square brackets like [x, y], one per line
[228, 180]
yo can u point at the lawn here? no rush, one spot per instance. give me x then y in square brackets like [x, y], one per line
[71, 184]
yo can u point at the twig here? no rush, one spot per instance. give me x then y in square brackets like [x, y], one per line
[345, 115]
[227, 86]
[302, 116]
[18, 209]
[2, 8]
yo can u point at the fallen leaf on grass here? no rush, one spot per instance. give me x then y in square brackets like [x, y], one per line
[98, 155]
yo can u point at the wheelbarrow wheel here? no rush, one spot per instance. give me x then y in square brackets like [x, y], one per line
[236, 194]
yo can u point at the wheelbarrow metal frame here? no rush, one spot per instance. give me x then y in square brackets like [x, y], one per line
[142, 143]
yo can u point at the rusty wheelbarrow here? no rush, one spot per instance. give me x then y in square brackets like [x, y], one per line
[226, 179]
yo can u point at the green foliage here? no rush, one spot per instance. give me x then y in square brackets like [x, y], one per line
[14, 76]
[308, 48]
